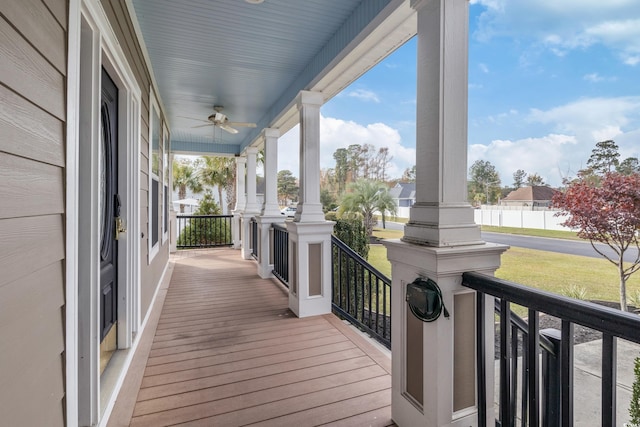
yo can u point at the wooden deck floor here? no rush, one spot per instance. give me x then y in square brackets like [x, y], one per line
[228, 352]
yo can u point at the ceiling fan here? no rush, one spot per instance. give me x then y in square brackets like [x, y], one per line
[222, 121]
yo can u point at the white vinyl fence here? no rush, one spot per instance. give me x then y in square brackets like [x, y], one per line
[542, 219]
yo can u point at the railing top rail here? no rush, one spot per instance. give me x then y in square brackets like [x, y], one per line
[356, 256]
[203, 216]
[604, 319]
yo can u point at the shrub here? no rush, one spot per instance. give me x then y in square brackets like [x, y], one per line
[575, 291]
[331, 216]
[634, 407]
[353, 234]
[205, 231]
[634, 299]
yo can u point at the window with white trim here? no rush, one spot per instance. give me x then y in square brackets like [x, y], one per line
[155, 159]
[165, 187]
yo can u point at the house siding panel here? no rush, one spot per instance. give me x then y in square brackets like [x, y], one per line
[26, 71]
[33, 46]
[35, 22]
[34, 188]
[151, 272]
[59, 9]
[41, 135]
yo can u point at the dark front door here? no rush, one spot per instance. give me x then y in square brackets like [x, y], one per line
[109, 205]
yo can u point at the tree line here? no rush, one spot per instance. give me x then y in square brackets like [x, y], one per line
[485, 185]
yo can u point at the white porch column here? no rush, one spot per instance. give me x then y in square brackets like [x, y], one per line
[309, 208]
[441, 215]
[241, 202]
[270, 210]
[252, 200]
[270, 206]
[309, 233]
[434, 364]
[251, 209]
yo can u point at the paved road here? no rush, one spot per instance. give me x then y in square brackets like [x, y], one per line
[572, 247]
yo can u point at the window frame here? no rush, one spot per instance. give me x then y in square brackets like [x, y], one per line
[152, 223]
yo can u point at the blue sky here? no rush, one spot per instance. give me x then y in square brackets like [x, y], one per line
[547, 80]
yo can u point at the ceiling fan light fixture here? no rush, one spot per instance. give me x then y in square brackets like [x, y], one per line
[254, 1]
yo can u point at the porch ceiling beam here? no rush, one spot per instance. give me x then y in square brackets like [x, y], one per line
[203, 148]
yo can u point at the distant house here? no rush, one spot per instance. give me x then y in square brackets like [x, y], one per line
[531, 197]
[404, 194]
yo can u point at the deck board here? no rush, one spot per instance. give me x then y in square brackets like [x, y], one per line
[228, 352]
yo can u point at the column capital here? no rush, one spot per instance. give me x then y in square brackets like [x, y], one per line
[419, 4]
[306, 97]
[271, 132]
[241, 159]
[252, 150]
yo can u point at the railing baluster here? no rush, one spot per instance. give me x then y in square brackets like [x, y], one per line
[281, 254]
[524, 381]
[203, 231]
[505, 375]
[533, 378]
[377, 305]
[481, 360]
[609, 364]
[513, 392]
[353, 287]
[566, 374]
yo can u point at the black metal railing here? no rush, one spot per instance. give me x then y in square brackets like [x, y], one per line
[549, 404]
[361, 294]
[204, 231]
[254, 237]
[281, 253]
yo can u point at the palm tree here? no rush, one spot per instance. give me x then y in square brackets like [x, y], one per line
[364, 198]
[184, 177]
[219, 172]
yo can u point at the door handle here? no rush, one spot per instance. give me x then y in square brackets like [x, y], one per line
[120, 227]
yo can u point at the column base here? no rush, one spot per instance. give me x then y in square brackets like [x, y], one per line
[442, 226]
[265, 243]
[236, 229]
[309, 212]
[245, 244]
[310, 267]
[433, 365]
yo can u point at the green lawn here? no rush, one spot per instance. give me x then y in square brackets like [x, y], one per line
[550, 271]
[570, 235]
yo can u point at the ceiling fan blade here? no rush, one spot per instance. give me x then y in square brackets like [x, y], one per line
[192, 118]
[201, 126]
[228, 128]
[241, 124]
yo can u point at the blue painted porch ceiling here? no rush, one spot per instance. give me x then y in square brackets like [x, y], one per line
[245, 57]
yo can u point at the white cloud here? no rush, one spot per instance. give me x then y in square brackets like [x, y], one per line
[593, 77]
[561, 26]
[548, 156]
[484, 68]
[336, 133]
[502, 117]
[572, 131]
[590, 118]
[365, 95]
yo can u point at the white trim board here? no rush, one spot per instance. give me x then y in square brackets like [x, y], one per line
[92, 44]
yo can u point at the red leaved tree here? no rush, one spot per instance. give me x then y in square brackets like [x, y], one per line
[608, 212]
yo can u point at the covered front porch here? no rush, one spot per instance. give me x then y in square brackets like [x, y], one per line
[222, 348]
